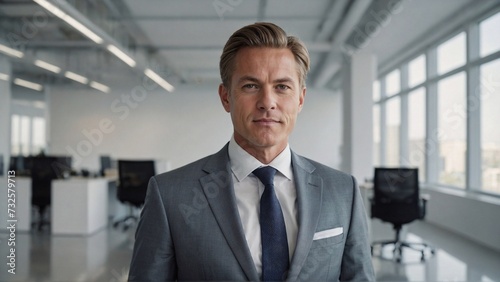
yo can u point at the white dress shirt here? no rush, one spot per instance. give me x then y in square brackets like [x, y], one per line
[248, 190]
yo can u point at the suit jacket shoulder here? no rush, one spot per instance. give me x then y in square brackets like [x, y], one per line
[326, 173]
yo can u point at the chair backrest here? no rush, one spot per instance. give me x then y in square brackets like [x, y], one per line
[43, 171]
[396, 195]
[133, 180]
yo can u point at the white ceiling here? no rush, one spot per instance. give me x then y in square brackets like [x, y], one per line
[187, 36]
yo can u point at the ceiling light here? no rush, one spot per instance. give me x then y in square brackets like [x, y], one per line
[28, 84]
[51, 8]
[121, 55]
[11, 52]
[71, 21]
[76, 77]
[158, 79]
[99, 86]
[4, 76]
[83, 29]
[47, 66]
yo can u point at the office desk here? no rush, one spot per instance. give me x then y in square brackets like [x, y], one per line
[79, 205]
[23, 203]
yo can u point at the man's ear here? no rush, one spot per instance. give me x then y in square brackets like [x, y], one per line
[224, 97]
[302, 96]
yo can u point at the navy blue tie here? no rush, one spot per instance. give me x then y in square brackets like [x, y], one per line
[272, 229]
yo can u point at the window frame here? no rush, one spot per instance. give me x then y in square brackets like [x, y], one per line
[471, 68]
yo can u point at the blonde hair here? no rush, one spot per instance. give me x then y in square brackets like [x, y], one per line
[262, 35]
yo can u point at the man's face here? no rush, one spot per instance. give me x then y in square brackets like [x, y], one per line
[264, 98]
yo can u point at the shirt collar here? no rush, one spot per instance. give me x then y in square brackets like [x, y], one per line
[243, 164]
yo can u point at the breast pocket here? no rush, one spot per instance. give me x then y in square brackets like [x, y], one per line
[328, 237]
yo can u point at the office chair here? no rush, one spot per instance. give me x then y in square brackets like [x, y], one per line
[396, 200]
[133, 179]
[42, 174]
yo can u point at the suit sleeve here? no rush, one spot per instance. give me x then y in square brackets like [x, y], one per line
[356, 261]
[153, 258]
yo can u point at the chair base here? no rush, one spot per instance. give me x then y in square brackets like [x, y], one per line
[129, 220]
[126, 222]
[423, 248]
[41, 218]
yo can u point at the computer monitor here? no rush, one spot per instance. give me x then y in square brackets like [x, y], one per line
[20, 164]
[61, 165]
[1, 165]
[105, 163]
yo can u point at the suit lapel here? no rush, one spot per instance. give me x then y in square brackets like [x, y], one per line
[218, 189]
[309, 192]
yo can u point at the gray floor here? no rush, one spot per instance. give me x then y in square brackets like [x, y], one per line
[105, 256]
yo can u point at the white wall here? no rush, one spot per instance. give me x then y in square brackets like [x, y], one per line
[472, 216]
[180, 127]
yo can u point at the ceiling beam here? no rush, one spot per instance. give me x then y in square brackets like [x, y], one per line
[333, 61]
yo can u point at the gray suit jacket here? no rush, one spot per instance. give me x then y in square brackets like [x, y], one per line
[190, 228]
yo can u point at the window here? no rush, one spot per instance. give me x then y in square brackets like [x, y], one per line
[393, 123]
[24, 139]
[27, 135]
[451, 54]
[445, 124]
[15, 135]
[416, 71]
[393, 83]
[451, 130]
[38, 140]
[489, 35]
[416, 131]
[490, 132]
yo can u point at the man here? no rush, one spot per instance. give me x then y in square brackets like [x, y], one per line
[222, 218]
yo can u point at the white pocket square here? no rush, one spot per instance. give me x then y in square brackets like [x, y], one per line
[328, 233]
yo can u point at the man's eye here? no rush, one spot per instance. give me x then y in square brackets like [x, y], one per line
[282, 87]
[250, 86]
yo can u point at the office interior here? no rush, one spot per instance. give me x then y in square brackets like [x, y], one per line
[393, 83]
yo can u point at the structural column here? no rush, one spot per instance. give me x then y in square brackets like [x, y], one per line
[359, 75]
[5, 98]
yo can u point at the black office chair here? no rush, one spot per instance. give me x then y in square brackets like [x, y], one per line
[42, 174]
[132, 187]
[397, 200]
[43, 170]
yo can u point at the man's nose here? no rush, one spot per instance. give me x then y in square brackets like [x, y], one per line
[267, 99]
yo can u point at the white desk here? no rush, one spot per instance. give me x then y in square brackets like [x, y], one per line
[23, 203]
[79, 205]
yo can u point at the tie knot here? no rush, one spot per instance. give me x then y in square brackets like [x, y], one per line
[265, 175]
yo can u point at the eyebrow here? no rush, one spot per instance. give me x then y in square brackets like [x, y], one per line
[254, 79]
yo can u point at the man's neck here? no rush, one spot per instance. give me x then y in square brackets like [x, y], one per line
[264, 155]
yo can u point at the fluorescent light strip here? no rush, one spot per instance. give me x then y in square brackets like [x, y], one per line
[99, 86]
[121, 55]
[83, 29]
[4, 76]
[158, 79]
[70, 20]
[76, 77]
[11, 52]
[51, 8]
[28, 84]
[47, 66]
